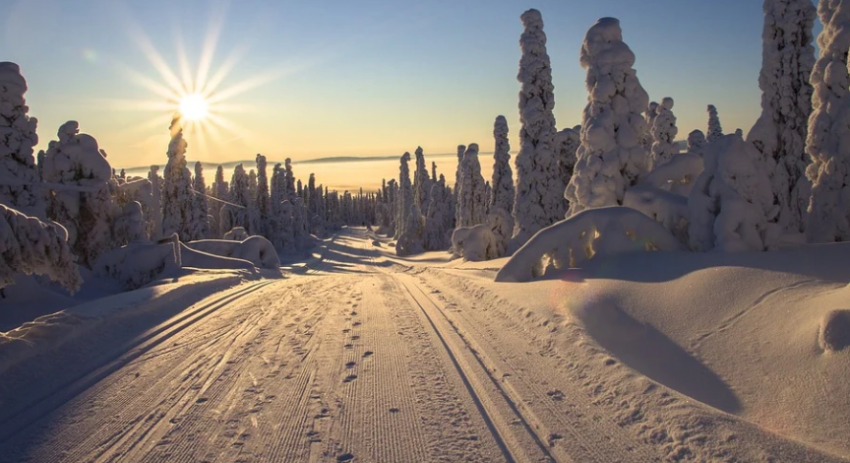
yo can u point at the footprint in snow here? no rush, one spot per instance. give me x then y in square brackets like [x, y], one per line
[345, 457]
[350, 364]
[356, 324]
[349, 378]
[368, 353]
[355, 337]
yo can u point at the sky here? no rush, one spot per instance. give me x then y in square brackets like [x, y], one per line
[368, 78]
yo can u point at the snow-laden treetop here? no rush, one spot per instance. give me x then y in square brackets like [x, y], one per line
[13, 82]
[602, 54]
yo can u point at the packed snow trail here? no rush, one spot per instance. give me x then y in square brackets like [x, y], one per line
[359, 358]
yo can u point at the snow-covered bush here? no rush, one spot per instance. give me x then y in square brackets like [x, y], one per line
[411, 240]
[81, 199]
[138, 263]
[199, 221]
[502, 184]
[595, 232]
[539, 201]
[471, 203]
[664, 133]
[177, 197]
[668, 209]
[697, 143]
[731, 203]
[677, 175]
[715, 130]
[474, 244]
[31, 246]
[786, 102]
[611, 158]
[255, 249]
[140, 190]
[568, 141]
[236, 234]
[19, 179]
[203, 260]
[828, 216]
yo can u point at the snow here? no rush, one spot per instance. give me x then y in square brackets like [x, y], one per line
[663, 131]
[471, 194]
[177, 195]
[538, 180]
[780, 133]
[199, 222]
[138, 263]
[502, 183]
[677, 175]
[611, 158]
[592, 233]
[438, 219]
[715, 131]
[829, 171]
[255, 249]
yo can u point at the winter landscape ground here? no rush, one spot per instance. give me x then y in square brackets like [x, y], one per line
[614, 291]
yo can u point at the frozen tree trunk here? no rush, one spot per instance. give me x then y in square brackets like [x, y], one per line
[539, 201]
[664, 133]
[177, 188]
[611, 158]
[715, 131]
[19, 178]
[780, 133]
[502, 183]
[828, 216]
[470, 193]
[86, 208]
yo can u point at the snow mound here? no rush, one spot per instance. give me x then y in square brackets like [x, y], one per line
[138, 263]
[236, 234]
[834, 332]
[255, 249]
[203, 260]
[588, 234]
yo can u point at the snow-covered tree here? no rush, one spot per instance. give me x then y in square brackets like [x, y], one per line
[439, 217]
[219, 191]
[697, 143]
[290, 180]
[502, 182]
[19, 178]
[828, 217]
[539, 201]
[31, 246]
[411, 240]
[715, 130]
[731, 203]
[177, 187]
[664, 133]
[405, 196]
[236, 214]
[568, 141]
[82, 204]
[199, 223]
[155, 217]
[611, 158]
[460, 150]
[421, 181]
[471, 201]
[262, 199]
[651, 114]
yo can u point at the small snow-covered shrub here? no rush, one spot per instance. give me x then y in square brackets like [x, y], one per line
[236, 234]
[594, 232]
[138, 263]
[29, 246]
[473, 243]
[666, 208]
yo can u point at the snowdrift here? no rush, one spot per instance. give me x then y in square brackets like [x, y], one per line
[255, 249]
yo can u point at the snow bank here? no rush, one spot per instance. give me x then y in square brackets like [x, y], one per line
[668, 209]
[203, 260]
[255, 249]
[677, 175]
[236, 234]
[591, 233]
[138, 263]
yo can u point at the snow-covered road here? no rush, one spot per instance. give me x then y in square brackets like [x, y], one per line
[359, 358]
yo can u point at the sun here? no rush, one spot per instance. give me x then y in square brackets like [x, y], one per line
[194, 107]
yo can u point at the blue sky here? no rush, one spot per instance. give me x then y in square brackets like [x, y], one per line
[368, 77]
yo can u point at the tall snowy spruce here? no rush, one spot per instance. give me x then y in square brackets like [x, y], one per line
[780, 133]
[611, 157]
[715, 130]
[405, 195]
[539, 201]
[568, 141]
[177, 187]
[438, 218]
[220, 192]
[663, 131]
[828, 217]
[235, 214]
[19, 179]
[460, 150]
[471, 200]
[199, 223]
[155, 219]
[502, 183]
[421, 181]
[81, 201]
[262, 197]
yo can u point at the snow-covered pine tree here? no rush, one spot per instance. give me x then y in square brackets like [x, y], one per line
[438, 219]
[410, 241]
[471, 205]
[651, 114]
[19, 178]
[610, 158]
[84, 207]
[219, 191]
[421, 181]
[697, 143]
[236, 215]
[502, 182]
[828, 217]
[664, 133]
[290, 180]
[262, 198]
[460, 150]
[715, 130]
[568, 141]
[731, 203]
[405, 196]
[434, 178]
[155, 218]
[539, 200]
[177, 187]
[199, 223]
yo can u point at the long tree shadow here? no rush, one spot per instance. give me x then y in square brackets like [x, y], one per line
[651, 353]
